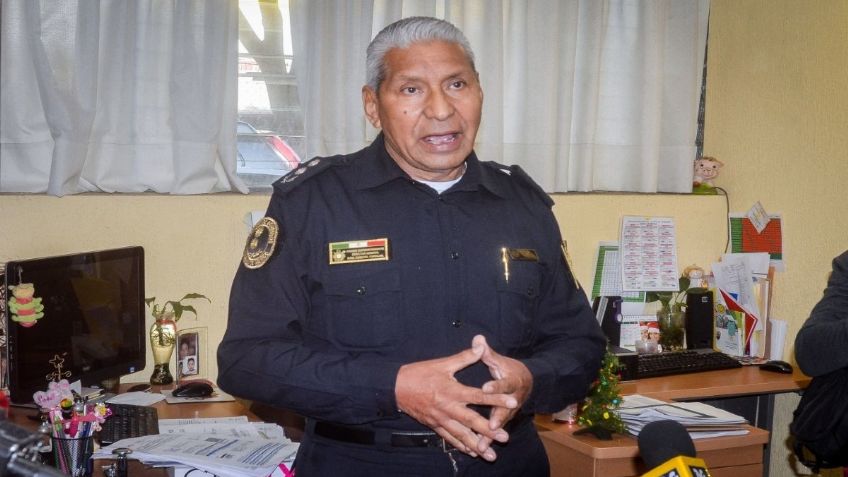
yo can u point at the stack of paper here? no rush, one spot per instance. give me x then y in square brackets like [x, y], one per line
[225, 447]
[236, 426]
[742, 303]
[701, 420]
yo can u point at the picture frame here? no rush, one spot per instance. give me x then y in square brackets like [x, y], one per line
[192, 357]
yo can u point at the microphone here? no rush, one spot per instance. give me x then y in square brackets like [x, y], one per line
[27, 468]
[668, 451]
[19, 453]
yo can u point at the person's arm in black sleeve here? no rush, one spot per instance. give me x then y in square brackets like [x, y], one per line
[570, 345]
[262, 356]
[821, 345]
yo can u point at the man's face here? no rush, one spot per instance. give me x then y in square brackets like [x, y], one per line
[429, 108]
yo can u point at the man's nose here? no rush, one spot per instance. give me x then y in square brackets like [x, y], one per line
[439, 105]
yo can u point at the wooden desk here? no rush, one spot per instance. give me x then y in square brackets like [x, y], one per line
[748, 380]
[21, 416]
[584, 455]
[737, 390]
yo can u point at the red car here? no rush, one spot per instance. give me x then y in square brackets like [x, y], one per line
[262, 154]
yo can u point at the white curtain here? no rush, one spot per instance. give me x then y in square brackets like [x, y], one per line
[118, 96]
[586, 95]
[329, 39]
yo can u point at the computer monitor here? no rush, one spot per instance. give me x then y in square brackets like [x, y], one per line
[93, 328]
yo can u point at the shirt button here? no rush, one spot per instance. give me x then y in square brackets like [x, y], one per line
[456, 323]
[454, 255]
[531, 291]
[360, 290]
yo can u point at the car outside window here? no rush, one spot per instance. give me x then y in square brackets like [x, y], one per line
[270, 138]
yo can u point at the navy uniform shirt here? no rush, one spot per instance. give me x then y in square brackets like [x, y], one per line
[318, 332]
[821, 345]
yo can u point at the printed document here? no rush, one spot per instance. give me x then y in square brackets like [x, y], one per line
[219, 447]
[700, 420]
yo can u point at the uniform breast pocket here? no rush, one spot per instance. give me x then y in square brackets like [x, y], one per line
[363, 310]
[517, 301]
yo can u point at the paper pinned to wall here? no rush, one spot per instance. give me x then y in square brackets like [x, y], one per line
[648, 254]
[606, 279]
[744, 238]
[758, 216]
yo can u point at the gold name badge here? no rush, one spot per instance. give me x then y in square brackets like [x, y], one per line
[358, 251]
[522, 255]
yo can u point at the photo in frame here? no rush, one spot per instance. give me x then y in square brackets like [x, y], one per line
[191, 354]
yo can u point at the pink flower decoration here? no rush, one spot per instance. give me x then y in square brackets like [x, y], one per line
[56, 391]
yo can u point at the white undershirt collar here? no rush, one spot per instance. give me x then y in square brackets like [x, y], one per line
[441, 186]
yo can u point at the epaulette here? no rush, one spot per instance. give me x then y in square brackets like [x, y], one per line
[305, 171]
[523, 178]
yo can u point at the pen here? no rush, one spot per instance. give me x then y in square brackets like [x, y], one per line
[73, 427]
[505, 260]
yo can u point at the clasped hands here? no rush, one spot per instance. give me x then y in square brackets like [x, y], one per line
[428, 392]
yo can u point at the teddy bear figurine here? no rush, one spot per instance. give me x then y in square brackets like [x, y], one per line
[696, 277]
[706, 169]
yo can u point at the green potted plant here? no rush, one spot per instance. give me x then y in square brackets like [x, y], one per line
[671, 316]
[177, 307]
[163, 332]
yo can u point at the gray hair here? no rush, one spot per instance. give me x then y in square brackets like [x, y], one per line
[402, 34]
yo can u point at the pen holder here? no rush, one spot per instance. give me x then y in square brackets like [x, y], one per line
[72, 456]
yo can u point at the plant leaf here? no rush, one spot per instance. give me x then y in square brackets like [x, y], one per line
[189, 308]
[176, 305]
[195, 295]
[663, 297]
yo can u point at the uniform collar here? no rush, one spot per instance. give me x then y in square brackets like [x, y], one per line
[377, 168]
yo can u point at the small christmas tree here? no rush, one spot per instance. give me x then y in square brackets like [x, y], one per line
[599, 414]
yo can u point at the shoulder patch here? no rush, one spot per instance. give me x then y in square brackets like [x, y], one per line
[260, 243]
[306, 170]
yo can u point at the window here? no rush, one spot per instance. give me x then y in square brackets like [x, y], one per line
[137, 115]
[270, 132]
[623, 118]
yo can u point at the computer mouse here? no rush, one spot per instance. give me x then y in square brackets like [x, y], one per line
[777, 366]
[193, 389]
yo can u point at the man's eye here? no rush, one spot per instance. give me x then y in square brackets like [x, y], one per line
[410, 89]
[458, 84]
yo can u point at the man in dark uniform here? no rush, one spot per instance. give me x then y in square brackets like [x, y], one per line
[821, 346]
[411, 301]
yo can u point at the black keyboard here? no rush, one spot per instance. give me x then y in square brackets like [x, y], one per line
[682, 362]
[128, 421]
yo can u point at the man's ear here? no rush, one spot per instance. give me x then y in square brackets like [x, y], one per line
[369, 103]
